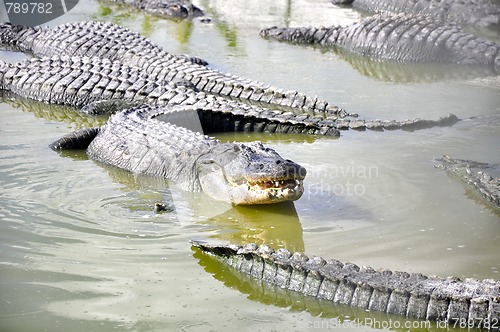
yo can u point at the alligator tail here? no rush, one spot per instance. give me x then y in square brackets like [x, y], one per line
[3, 69]
[7, 35]
[407, 125]
[79, 139]
[13, 36]
[410, 295]
[310, 35]
[7, 41]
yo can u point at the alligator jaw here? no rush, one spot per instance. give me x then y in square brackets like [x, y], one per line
[270, 191]
[249, 174]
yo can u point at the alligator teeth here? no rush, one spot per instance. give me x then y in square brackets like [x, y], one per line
[276, 187]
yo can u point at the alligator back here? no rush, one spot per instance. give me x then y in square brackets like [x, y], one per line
[474, 12]
[134, 141]
[416, 39]
[399, 37]
[409, 295]
[106, 40]
[79, 81]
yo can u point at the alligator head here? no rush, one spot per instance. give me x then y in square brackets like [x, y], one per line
[176, 9]
[249, 173]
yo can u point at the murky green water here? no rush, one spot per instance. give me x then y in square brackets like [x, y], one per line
[81, 249]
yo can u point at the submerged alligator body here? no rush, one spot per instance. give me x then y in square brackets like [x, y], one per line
[409, 295]
[487, 186]
[140, 141]
[109, 41]
[173, 9]
[479, 13]
[399, 37]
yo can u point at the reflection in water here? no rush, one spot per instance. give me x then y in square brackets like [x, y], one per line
[53, 112]
[404, 72]
[264, 293]
[104, 10]
[276, 224]
[230, 35]
[227, 32]
[148, 23]
[82, 252]
[183, 31]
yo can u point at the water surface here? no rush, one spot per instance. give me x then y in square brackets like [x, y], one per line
[81, 248]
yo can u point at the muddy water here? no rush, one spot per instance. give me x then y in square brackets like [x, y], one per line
[81, 248]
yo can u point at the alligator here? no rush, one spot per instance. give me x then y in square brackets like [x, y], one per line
[140, 141]
[109, 41]
[81, 82]
[172, 9]
[485, 185]
[478, 13]
[410, 295]
[95, 83]
[399, 37]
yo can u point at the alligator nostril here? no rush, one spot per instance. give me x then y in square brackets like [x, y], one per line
[278, 162]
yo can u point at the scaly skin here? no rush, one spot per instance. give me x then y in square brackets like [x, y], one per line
[481, 182]
[109, 41]
[139, 141]
[410, 295]
[82, 81]
[479, 13]
[399, 37]
[173, 9]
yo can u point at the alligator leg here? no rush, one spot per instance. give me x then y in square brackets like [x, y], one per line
[79, 139]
